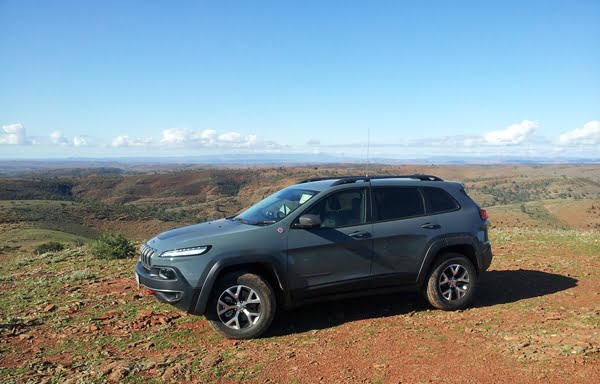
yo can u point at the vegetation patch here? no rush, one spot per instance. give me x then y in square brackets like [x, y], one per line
[51, 246]
[112, 246]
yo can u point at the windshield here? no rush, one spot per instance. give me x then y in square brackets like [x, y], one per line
[275, 207]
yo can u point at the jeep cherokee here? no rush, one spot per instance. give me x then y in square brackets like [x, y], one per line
[322, 239]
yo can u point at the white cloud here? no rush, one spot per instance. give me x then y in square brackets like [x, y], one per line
[589, 134]
[80, 141]
[511, 135]
[58, 138]
[209, 138]
[313, 142]
[175, 136]
[208, 135]
[14, 134]
[230, 137]
[126, 141]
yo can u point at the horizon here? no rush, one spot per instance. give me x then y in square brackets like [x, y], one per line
[362, 81]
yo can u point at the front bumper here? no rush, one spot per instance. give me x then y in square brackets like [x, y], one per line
[169, 286]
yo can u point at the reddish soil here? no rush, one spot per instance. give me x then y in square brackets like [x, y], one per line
[387, 339]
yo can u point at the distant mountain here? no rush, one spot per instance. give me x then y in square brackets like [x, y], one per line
[142, 164]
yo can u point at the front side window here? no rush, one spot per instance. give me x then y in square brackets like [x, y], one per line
[275, 207]
[341, 209]
[397, 203]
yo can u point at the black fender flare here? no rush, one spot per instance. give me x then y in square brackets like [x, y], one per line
[210, 278]
[439, 245]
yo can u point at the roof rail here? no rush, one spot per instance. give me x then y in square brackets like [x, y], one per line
[352, 179]
[330, 178]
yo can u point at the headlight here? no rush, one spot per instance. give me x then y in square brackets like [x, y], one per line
[194, 251]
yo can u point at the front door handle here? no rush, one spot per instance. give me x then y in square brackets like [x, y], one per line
[431, 226]
[360, 235]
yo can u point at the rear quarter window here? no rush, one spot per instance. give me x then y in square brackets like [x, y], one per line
[439, 201]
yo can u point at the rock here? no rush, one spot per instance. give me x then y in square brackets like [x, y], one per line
[168, 374]
[107, 368]
[118, 373]
[144, 314]
[49, 308]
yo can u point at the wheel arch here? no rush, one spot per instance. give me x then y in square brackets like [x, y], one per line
[463, 246]
[263, 267]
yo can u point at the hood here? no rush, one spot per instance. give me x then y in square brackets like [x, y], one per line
[197, 233]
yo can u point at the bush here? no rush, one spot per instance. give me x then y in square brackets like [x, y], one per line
[51, 246]
[112, 246]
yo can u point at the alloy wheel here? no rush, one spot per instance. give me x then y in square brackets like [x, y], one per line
[454, 282]
[239, 307]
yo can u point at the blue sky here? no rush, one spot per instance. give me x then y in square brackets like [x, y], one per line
[157, 78]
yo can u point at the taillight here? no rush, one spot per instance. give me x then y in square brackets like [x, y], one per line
[483, 214]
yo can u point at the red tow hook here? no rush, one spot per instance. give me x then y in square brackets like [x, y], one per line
[149, 292]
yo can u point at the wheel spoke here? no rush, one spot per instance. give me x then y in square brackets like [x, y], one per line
[454, 269]
[444, 278]
[234, 322]
[252, 316]
[225, 307]
[461, 291]
[447, 294]
[464, 277]
[253, 298]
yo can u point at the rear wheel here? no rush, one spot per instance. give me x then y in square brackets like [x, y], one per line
[452, 282]
[242, 306]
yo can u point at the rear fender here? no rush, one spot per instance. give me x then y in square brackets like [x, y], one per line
[438, 248]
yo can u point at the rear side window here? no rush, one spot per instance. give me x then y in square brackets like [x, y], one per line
[439, 200]
[397, 203]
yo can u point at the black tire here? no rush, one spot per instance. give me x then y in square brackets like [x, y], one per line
[234, 317]
[446, 287]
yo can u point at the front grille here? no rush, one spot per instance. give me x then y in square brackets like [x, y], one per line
[146, 253]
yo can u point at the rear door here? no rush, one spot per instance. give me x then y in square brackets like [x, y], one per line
[402, 234]
[336, 257]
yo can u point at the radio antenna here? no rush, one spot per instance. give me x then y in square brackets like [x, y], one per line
[368, 147]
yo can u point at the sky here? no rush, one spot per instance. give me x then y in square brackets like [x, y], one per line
[376, 79]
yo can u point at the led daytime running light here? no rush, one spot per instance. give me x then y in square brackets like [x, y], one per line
[185, 252]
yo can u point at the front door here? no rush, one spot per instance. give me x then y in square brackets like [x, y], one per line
[336, 257]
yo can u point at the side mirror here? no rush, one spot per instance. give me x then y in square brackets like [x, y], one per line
[308, 221]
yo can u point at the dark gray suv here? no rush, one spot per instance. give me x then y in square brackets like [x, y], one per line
[323, 238]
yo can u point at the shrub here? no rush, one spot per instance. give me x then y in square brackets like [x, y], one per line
[112, 246]
[51, 246]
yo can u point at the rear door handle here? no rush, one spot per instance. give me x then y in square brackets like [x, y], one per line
[431, 226]
[360, 235]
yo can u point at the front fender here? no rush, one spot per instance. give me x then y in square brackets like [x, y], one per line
[240, 261]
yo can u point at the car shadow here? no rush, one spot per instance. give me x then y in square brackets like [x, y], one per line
[503, 287]
[494, 288]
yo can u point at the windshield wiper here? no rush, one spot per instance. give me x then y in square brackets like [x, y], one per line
[264, 222]
[238, 219]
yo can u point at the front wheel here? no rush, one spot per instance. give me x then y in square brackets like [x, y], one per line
[242, 306]
[451, 285]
